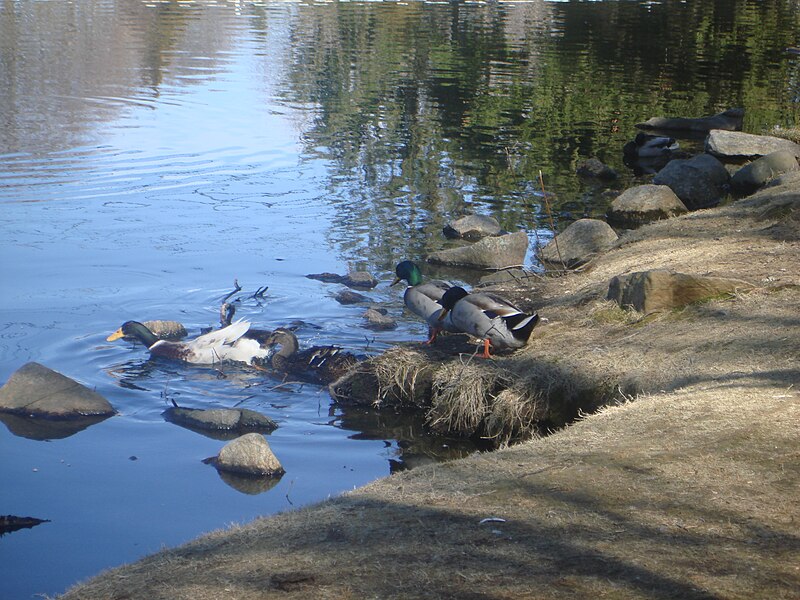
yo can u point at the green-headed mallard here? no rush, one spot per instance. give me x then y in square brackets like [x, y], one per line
[423, 298]
[227, 344]
[488, 317]
[319, 364]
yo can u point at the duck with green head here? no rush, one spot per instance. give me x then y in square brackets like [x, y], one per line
[423, 298]
[227, 344]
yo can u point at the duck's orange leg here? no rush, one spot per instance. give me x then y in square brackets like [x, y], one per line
[432, 333]
[486, 345]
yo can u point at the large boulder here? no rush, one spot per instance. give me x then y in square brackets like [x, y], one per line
[730, 120]
[578, 244]
[643, 204]
[497, 252]
[735, 144]
[659, 289]
[472, 227]
[763, 170]
[699, 181]
[249, 455]
[36, 391]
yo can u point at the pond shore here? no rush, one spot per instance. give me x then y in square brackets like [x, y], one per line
[685, 488]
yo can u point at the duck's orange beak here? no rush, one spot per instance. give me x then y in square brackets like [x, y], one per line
[116, 335]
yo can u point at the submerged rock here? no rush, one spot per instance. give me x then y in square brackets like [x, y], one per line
[730, 120]
[659, 289]
[700, 181]
[578, 244]
[763, 170]
[730, 144]
[249, 455]
[36, 391]
[643, 204]
[593, 167]
[350, 297]
[497, 252]
[472, 227]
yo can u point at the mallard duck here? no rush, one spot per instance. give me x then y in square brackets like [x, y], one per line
[649, 146]
[319, 364]
[423, 298]
[489, 317]
[227, 344]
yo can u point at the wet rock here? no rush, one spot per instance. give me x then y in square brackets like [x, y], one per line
[699, 181]
[472, 227]
[593, 167]
[248, 455]
[350, 297]
[36, 391]
[643, 204]
[648, 291]
[729, 144]
[578, 244]
[220, 419]
[730, 120]
[498, 252]
[360, 279]
[378, 318]
[763, 170]
[326, 277]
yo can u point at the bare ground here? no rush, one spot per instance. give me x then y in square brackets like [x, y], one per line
[685, 486]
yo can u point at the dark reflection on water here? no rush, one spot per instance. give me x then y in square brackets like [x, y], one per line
[152, 152]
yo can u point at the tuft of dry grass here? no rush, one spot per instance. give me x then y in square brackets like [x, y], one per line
[404, 378]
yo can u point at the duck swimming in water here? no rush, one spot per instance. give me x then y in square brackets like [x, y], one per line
[318, 364]
[645, 145]
[227, 344]
[489, 317]
[423, 298]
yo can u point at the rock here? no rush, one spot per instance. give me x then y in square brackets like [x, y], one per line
[360, 279]
[326, 277]
[9, 523]
[792, 178]
[643, 204]
[763, 170]
[648, 291]
[472, 227]
[36, 391]
[249, 455]
[730, 120]
[593, 167]
[350, 297]
[222, 419]
[729, 144]
[699, 181]
[497, 252]
[578, 244]
[379, 319]
[165, 330]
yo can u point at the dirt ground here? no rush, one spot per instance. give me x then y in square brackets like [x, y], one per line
[685, 486]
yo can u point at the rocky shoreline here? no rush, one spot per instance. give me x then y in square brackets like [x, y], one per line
[682, 487]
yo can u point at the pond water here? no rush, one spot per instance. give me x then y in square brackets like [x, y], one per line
[152, 152]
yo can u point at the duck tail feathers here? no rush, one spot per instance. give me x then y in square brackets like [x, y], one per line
[521, 325]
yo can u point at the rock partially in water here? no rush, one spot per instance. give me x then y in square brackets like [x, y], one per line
[730, 144]
[594, 168]
[730, 120]
[472, 227]
[578, 244]
[378, 318]
[9, 523]
[643, 204]
[354, 279]
[249, 455]
[660, 289]
[220, 419]
[763, 170]
[496, 252]
[350, 297]
[36, 391]
[326, 277]
[700, 181]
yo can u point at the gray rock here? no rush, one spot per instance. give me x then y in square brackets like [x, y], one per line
[730, 120]
[498, 252]
[731, 144]
[763, 170]
[699, 181]
[593, 167]
[792, 179]
[472, 227]
[379, 319]
[578, 244]
[643, 204]
[360, 279]
[222, 419]
[249, 455]
[350, 297]
[37, 391]
[648, 291]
